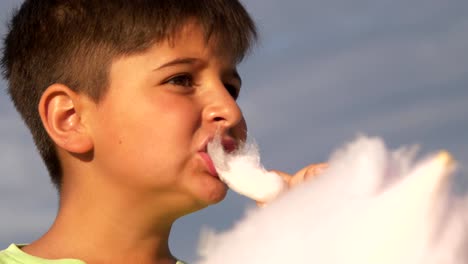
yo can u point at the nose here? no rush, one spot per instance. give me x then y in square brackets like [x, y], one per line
[222, 112]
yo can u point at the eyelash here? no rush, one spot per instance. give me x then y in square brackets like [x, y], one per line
[186, 80]
[232, 90]
[181, 80]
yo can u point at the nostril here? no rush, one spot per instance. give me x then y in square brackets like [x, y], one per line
[218, 118]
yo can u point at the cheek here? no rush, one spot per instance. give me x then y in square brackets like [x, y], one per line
[121, 144]
[161, 120]
[152, 137]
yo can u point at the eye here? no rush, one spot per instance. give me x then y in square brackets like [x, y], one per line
[233, 90]
[184, 80]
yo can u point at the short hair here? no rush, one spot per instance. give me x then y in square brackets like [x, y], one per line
[73, 42]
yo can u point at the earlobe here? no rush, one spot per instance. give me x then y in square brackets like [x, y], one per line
[61, 116]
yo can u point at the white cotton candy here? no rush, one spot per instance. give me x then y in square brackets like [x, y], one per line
[242, 171]
[372, 206]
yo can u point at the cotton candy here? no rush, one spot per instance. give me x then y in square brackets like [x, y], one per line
[372, 206]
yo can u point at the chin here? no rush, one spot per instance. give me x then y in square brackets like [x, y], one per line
[218, 197]
[215, 196]
[200, 202]
[211, 192]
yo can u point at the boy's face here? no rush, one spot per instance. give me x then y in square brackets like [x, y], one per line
[151, 128]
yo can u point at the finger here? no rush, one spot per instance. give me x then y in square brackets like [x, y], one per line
[316, 170]
[308, 172]
[297, 179]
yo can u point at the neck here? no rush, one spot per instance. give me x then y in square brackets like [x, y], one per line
[105, 228]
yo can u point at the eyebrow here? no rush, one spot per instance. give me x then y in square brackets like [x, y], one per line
[178, 61]
[192, 61]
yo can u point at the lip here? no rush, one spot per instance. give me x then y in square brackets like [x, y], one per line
[229, 145]
[209, 163]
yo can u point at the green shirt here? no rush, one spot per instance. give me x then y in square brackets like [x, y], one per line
[14, 255]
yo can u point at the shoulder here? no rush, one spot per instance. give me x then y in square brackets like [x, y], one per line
[14, 255]
[7, 256]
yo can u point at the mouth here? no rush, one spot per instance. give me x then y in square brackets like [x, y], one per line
[229, 145]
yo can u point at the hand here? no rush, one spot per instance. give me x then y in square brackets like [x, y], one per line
[299, 177]
[306, 173]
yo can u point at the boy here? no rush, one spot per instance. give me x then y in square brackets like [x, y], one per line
[121, 98]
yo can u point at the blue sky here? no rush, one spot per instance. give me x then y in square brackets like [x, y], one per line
[323, 72]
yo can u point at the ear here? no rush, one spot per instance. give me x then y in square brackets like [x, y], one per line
[59, 109]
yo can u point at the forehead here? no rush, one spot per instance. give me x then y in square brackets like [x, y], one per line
[189, 46]
[192, 34]
[189, 43]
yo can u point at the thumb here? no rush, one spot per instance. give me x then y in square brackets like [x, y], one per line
[307, 173]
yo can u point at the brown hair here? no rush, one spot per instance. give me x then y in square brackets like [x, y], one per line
[73, 42]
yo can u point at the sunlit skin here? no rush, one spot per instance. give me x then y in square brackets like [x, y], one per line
[133, 162]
